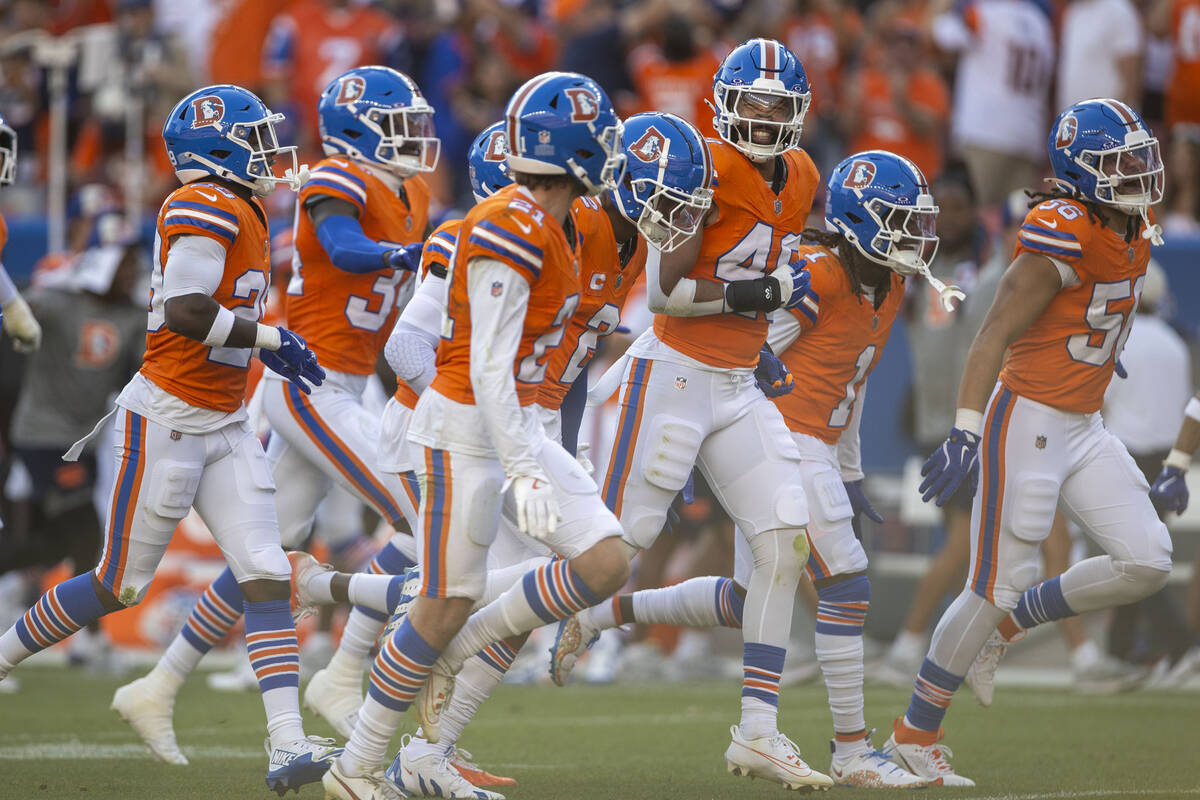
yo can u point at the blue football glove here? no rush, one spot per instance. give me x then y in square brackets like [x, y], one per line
[948, 466]
[799, 284]
[771, 375]
[294, 361]
[689, 491]
[407, 257]
[1119, 368]
[860, 505]
[1170, 492]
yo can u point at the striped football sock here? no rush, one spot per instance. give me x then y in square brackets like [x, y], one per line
[545, 595]
[275, 657]
[762, 665]
[64, 609]
[695, 603]
[217, 610]
[841, 614]
[364, 624]
[932, 692]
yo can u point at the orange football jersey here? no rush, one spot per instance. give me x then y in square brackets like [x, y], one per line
[756, 231]
[346, 316]
[510, 227]
[842, 337]
[1065, 359]
[604, 283]
[1183, 89]
[203, 376]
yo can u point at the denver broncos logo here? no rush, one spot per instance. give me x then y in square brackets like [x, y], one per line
[1066, 131]
[497, 147]
[350, 89]
[650, 146]
[208, 110]
[585, 105]
[860, 175]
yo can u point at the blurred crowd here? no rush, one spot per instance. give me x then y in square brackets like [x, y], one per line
[940, 81]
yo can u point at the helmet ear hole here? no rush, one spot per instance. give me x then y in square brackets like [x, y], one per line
[221, 153]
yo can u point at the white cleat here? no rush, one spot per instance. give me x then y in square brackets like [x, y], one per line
[872, 769]
[981, 675]
[1108, 675]
[299, 763]
[336, 699]
[304, 567]
[147, 704]
[340, 786]
[433, 696]
[774, 758]
[433, 775]
[931, 762]
[571, 640]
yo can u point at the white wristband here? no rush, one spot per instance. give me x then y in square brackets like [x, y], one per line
[1178, 459]
[218, 334]
[1193, 409]
[969, 420]
[268, 337]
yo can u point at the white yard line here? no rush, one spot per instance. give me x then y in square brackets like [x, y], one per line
[1094, 793]
[76, 751]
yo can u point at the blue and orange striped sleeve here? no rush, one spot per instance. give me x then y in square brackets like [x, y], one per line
[1048, 232]
[195, 212]
[510, 240]
[337, 179]
[439, 249]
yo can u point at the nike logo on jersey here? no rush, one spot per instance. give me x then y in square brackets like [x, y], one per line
[210, 197]
[526, 229]
[1049, 223]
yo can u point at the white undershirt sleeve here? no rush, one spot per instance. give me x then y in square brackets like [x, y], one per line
[497, 319]
[681, 302]
[784, 330]
[8, 290]
[849, 449]
[1066, 273]
[424, 311]
[195, 265]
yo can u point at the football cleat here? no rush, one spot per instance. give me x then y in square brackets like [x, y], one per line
[340, 786]
[1108, 675]
[931, 762]
[336, 699]
[433, 696]
[981, 675]
[872, 769]
[299, 763]
[461, 760]
[7, 685]
[774, 758]
[304, 567]
[147, 705]
[573, 636]
[433, 775]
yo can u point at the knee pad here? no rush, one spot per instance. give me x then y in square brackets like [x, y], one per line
[672, 447]
[786, 551]
[1150, 578]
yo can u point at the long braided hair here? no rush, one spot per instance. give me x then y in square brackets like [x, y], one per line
[852, 262]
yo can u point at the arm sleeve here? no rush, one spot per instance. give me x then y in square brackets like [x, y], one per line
[785, 329]
[848, 447]
[195, 265]
[681, 302]
[348, 247]
[412, 354]
[427, 306]
[496, 323]
[8, 291]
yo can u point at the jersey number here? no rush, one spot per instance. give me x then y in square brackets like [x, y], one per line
[841, 413]
[747, 260]
[251, 289]
[602, 323]
[384, 294]
[1110, 327]
[532, 368]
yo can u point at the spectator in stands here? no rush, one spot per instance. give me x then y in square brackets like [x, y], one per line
[1005, 52]
[896, 103]
[1100, 52]
[673, 73]
[1180, 19]
[1143, 411]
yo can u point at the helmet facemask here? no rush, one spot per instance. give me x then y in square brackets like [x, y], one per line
[8, 152]
[669, 217]
[407, 141]
[613, 169]
[1129, 177]
[907, 240]
[761, 122]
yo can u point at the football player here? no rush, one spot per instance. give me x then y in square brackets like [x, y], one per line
[359, 208]
[1033, 437]
[689, 396]
[1170, 492]
[513, 285]
[15, 317]
[185, 437]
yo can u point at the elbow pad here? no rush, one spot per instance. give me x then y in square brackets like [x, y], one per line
[411, 355]
[348, 247]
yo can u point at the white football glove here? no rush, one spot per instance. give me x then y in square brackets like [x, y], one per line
[585, 462]
[537, 509]
[20, 324]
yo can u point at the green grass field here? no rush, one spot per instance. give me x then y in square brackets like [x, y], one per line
[58, 739]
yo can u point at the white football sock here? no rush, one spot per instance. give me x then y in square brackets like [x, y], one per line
[841, 659]
[689, 604]
[358, 638]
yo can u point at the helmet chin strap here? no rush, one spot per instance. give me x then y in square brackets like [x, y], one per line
[1152, 232]
[947, 294]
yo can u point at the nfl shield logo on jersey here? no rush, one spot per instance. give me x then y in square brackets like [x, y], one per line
[680, 383]
[497, 288]
[1040, 443]
[209, 110]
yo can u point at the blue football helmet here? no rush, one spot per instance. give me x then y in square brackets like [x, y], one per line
[668, 174]
[761, 94]
[1101, 150]
[486, 165]
[226, 131]
[562, 123]
[8, 152]
[378, 115]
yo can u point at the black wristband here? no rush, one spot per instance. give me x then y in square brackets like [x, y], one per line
[760, 294]
[437, 270]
